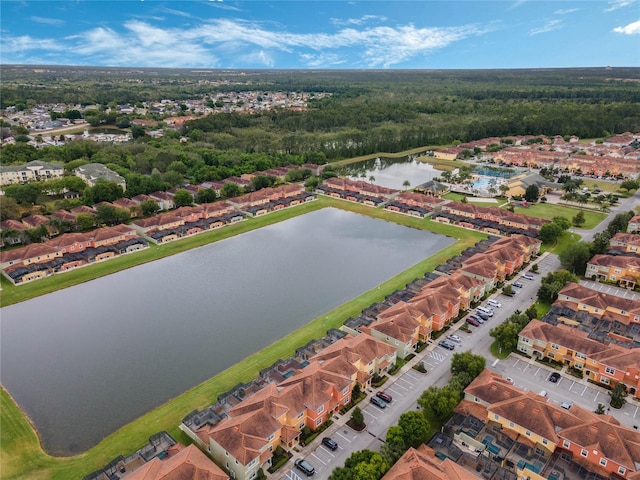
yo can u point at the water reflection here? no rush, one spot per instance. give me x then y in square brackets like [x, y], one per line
[88, 359]
[393, 172]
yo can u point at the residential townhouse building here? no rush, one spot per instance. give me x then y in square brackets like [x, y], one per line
[179, 463]
[367, 354]
[623, 270]
[422, 464]
[602, 305]
[606, 364]
[243, 441]
[403, 327]
[634, 224]
[163, 199]
[626, 243]
[360, 187]
[541, 430]
[492, 214]
[34, 171]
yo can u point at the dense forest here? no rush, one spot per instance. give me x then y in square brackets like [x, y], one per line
[367, 112]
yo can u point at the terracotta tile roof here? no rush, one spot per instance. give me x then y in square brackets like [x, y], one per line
[188, 464]
[422, 464]
[401, 326]
[12, 224]
[566, 336]
[618, 261]
[35, 220]
[491, 388]
[363, 348]
[582, 295]
[625, 239]
[33, 250]
[617, 443]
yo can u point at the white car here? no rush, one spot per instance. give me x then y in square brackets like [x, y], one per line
[528, 276]
[494, 303]
[454, 338]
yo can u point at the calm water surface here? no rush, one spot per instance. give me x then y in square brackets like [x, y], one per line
[86, 360]
[393, 172]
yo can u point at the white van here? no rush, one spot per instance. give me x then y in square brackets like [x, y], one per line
[486, 311]
[494, 303]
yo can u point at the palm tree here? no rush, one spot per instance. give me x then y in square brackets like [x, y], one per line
[406, 184]
[372, 179]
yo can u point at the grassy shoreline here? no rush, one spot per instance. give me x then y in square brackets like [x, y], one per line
[21, 454]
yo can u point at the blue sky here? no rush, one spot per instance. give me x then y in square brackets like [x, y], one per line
[334, 34]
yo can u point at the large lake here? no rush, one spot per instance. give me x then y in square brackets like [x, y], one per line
[86, 360]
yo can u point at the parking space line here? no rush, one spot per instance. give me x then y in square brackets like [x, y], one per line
[404, 380]
[318, 458]
[636, 412]
[340, 435]
[328, 451]
[583, 390]
[595, 399]
[404, 388]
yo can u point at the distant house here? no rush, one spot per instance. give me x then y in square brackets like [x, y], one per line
[29, 172]
[92, 172]
[432, 188]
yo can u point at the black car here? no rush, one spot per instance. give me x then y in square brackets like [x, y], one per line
[330, 443]
[378, 402]
[554, 377]
[305, 467]
[482, 316]
[517, 285]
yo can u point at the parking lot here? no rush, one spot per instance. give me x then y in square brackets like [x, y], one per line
[531, 375]
[610, 289]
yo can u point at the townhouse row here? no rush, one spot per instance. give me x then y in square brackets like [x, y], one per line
[606, 364]
[528, 434]
[68, 251]
[244, 438]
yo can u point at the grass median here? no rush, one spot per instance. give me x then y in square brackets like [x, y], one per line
[21, 455]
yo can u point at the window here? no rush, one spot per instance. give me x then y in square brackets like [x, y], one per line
[578, 366]
[566, 444]
[551, 355]
[581, 356]
[270, 437]
[496, 416]
[554, 346]
[584, 453]
[604, 380]
[346, 400]
[301, 426]
[609, 370]
[226, 454]
[545, 441]
[345, 391]
[621, 470]
[527, 433]
[321, 409]
[603, 462]
[511, 424]
[318, 422]
[300, 414]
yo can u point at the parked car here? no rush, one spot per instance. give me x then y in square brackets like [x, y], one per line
[330, 443]
[542, 393]
[473, 321]
[305, 467]
[378, 402]
[494, 303]
[384, 396]
[484, 310]
[566, 405]
[481, 317]
[517, 285]
[454, 338]
[447, 345]
[554, 377]
[528, 276]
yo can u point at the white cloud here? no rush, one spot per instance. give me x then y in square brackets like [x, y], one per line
[47, 21]
[631, 29]
[566, 11]
[358, 21]
[617, 4]
[223, 42]
[549, 26]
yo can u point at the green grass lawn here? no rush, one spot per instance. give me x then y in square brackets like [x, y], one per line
[456, 196]
[550, 210]
[566, 240]
[21, 455]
